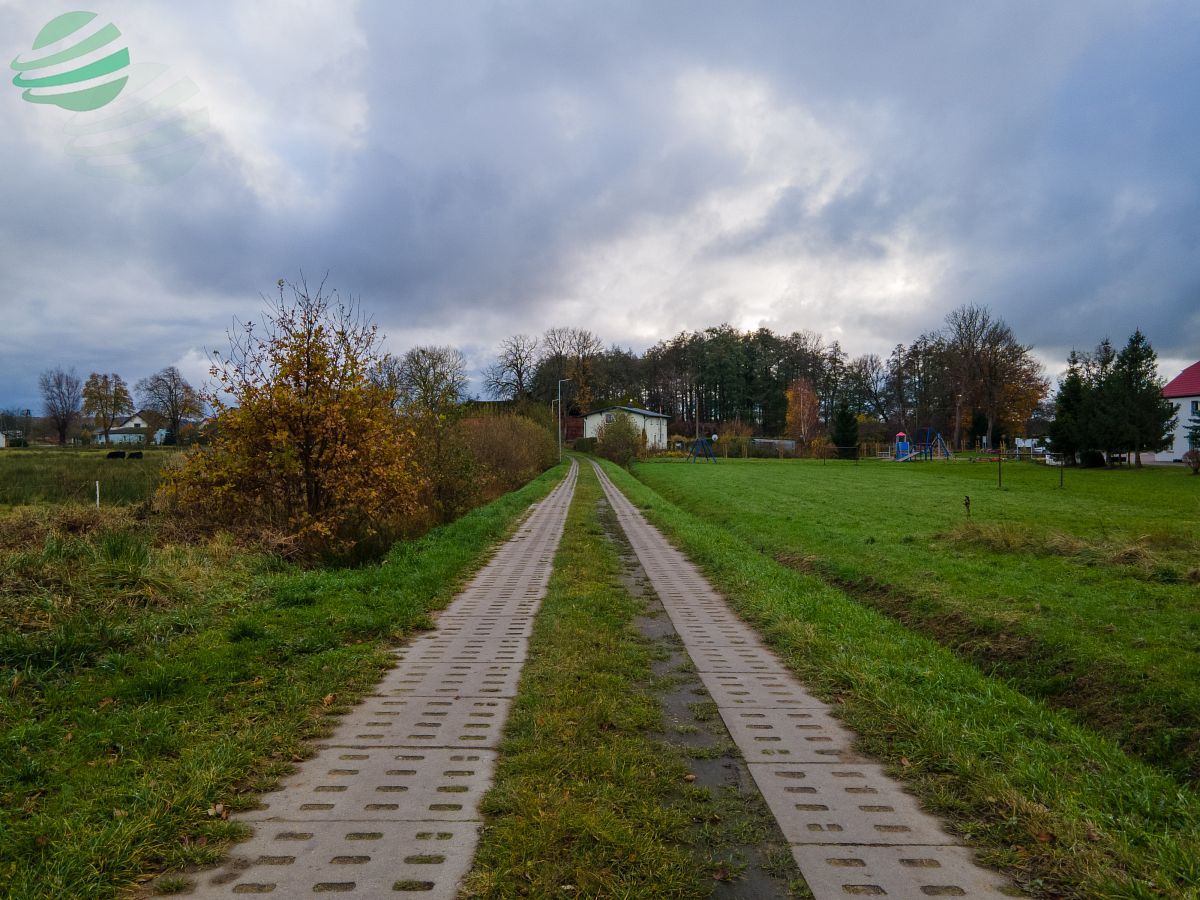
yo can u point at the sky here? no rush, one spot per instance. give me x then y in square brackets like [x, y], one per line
[473, 170]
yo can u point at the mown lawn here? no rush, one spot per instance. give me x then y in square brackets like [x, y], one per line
[147, 688]
[1087, 597]
[1062, 808]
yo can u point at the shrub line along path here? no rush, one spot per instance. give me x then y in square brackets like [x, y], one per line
[389, 806]
[852, 829]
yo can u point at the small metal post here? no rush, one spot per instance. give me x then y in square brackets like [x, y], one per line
[1062, 465]
[999, 473]
[97, 495]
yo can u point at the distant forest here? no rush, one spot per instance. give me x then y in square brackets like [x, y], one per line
[969, 379]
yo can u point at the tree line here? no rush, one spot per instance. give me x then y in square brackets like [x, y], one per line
[1110, 404]
[104, 398]
[970, 378]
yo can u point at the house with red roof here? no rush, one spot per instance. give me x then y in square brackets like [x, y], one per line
[1184, 392]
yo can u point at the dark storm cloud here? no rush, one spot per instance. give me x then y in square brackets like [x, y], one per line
[474, 170]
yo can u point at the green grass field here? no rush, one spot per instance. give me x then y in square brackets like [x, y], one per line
[143, 682]
[69, 476]
[1087, 597]
[1057, 804]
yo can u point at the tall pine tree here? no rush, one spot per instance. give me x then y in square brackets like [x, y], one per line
[1148, 418]
[1067, 435]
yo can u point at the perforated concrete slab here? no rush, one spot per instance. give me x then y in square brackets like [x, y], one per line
[771, 734]
[853, 830]
[469, 722]
[844, 804]
[757, 690]
[377, 859]
[901, 872]
[733, 659]
[718, 634]
[389, 806]
[465, 649]
[454, 680]
[391, 784]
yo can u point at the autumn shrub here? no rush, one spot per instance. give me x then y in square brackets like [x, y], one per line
[734, 439]
[1192, 460]
[509, 451]
[620, 440]
[308, 447]
[585, 444]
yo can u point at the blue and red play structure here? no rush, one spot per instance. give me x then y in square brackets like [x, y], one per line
[928, 446]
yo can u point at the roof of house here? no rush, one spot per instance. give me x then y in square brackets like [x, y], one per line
[1185, 384]
[632, 409]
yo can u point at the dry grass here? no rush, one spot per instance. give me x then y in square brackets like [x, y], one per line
[1146, 552]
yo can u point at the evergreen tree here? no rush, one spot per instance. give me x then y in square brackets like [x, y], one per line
[1148, 418]
[1067, 434]
[1192, 455]
[845, 430]
[1104, 417]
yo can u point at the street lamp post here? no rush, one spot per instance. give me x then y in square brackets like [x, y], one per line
[561, 381]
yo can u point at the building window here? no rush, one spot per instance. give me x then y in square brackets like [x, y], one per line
[1195, 407]
[609, 418]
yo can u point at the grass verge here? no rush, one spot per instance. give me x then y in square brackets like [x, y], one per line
[587, 803]
[1063, 809]
[1084, 597]
[158, 688]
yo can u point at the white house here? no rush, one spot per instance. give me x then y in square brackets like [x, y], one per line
[1184, 392]
[3, 440]
[653, 425]
[130, 430]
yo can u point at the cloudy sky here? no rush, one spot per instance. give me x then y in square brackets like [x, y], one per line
[471, 170]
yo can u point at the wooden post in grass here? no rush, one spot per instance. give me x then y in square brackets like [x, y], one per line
[97, 495]
[999, 472]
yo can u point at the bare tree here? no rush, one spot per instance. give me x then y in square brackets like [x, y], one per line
[511, 376]
[583, 348]
[431, 380]
[966, 328]
[167, 394]
[106, 398]
[62, 395]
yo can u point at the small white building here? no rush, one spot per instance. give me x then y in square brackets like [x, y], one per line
[129, 430]
[653, 425]
[3, 440]
[1184, 392]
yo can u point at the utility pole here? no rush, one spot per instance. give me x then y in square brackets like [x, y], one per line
[560, 384]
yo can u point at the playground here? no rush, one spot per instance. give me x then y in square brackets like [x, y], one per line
[927, 445]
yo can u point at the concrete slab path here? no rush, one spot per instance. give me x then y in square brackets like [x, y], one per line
[389, 806]
[853, 830]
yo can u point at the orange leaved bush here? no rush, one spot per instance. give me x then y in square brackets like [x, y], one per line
[307, 444]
